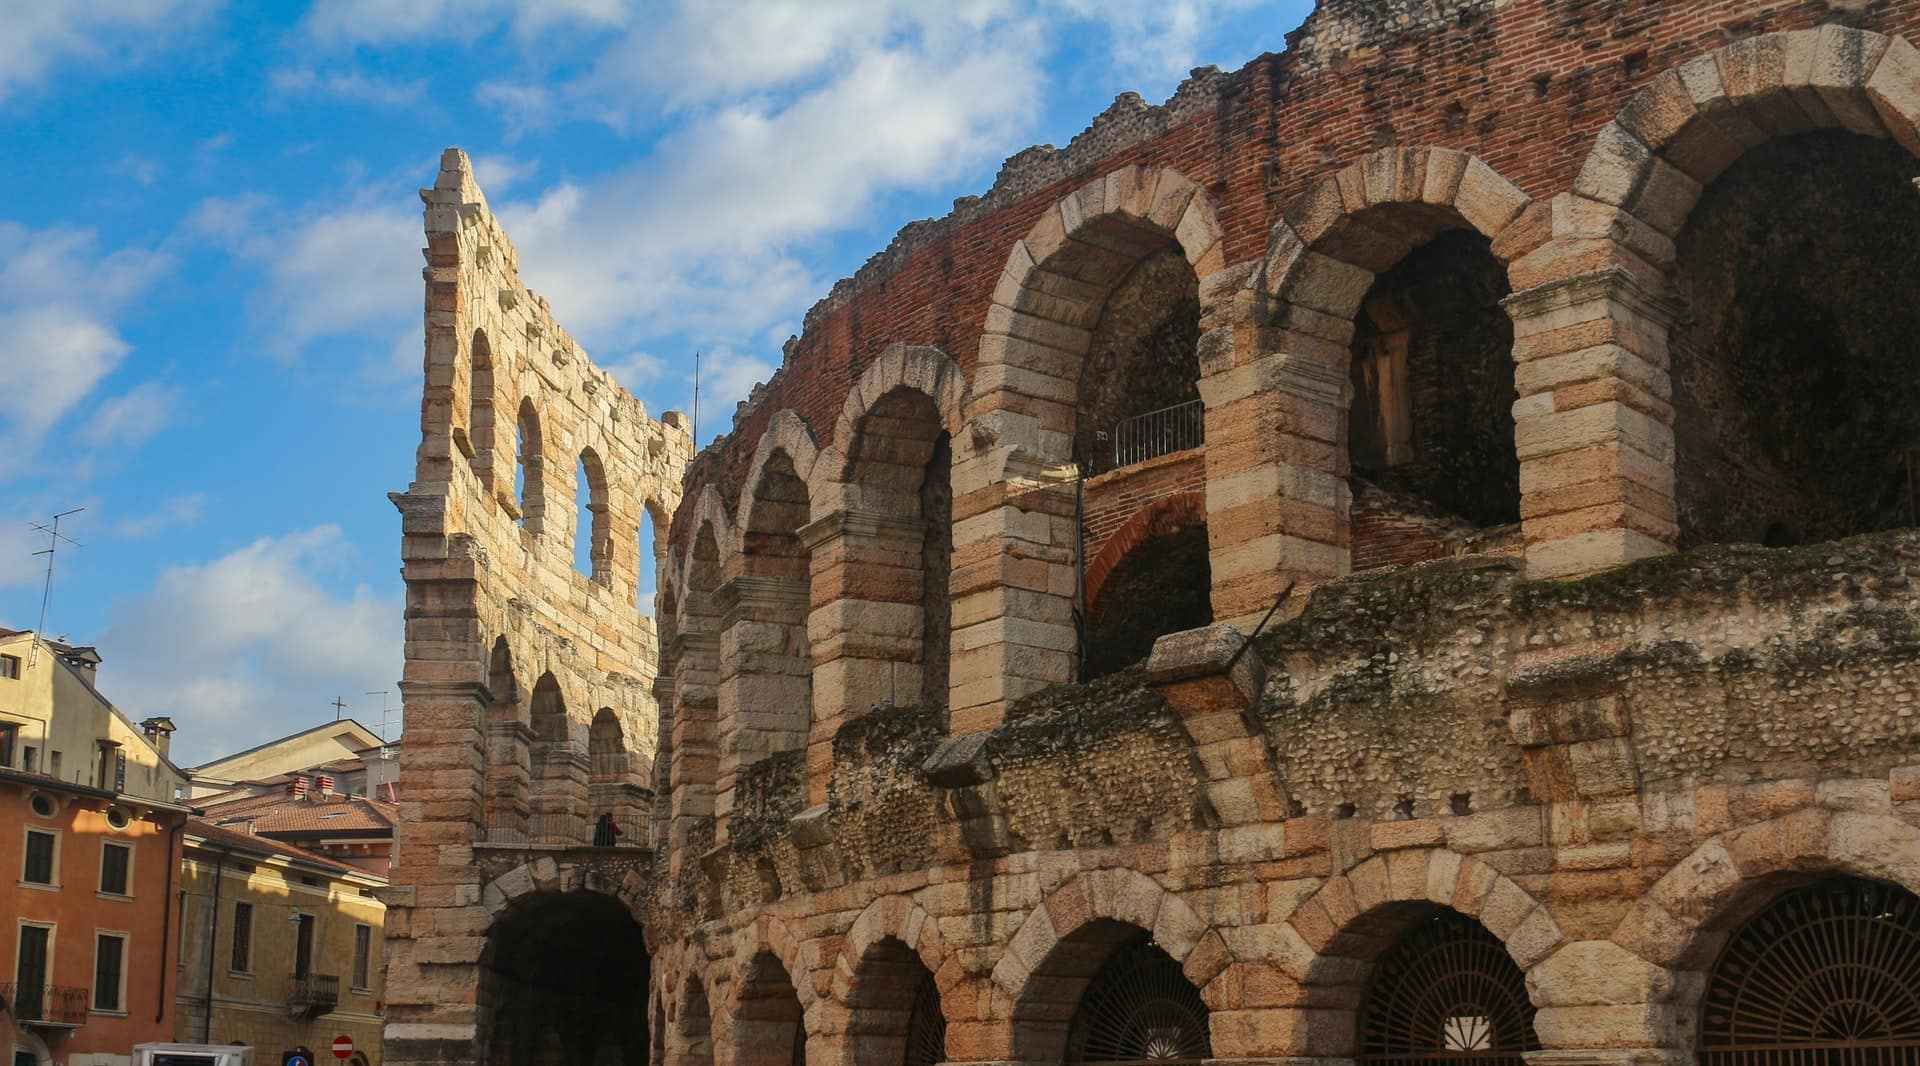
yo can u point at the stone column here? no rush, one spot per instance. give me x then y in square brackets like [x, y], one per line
[509, 779]
[765, 705]
[661, 815]
[559, 807]
[865, 627]
[1594, 422]
[1012, 585]
[691, 774]
[1278, 502]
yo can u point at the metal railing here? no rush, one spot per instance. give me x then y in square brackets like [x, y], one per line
[313, 994]
[45, 1004]
[1157, 433]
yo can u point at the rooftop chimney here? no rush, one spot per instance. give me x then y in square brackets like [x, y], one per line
[298, 787]
[159, 733]
[325, 781]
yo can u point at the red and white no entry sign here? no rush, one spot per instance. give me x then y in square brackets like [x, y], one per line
[342, 1046]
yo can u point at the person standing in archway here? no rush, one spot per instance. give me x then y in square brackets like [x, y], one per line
[605, 833]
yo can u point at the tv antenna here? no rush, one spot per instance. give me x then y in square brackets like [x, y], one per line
[383, 713]
[54, 537]
[338, 706]
[696, 400]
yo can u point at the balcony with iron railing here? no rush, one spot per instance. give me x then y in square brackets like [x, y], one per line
[1149, 436]
[45, 1006]
[311, 995]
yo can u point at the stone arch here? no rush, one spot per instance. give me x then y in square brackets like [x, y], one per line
[766, 1021]
[509, 732]
[1158, 568]
[531, 458]
[1116, 895]
[548, 710]
[478, 439]
[769, 935]
[692, 1043]
[563, 971]
[922, 369]
[599, 526]
[898, 917]
[785, 432]
[607, 745]
[1166, 514]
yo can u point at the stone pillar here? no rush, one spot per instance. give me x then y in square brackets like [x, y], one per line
[509, 779]
[432, 976]
[1012, 585]
[1594, 422]
[1278, 502]
[691, 774]
[765, 703]
[559, 807]
[661, 815]
[865, 627]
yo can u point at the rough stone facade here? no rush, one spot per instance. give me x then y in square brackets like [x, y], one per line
[891, 826]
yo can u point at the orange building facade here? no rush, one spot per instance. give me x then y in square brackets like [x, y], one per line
[87, 930]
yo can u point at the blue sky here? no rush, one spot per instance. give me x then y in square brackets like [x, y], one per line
[209, 264]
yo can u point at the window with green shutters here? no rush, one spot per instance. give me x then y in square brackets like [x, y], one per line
[109, 957]
[115, 861]
[38, 869]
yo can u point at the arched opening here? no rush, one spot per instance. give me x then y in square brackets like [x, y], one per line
[902, 462]
[693, 1030]
[1139, 385]
[592, 543]
[509, 769]
[1153, 578]
[563, 982]
[696, 678]
[1796, 402]
[615, 792]
[549, 711]
[557, 812]
[477, 442]
[652, 556]
[767, 1023]
[529, 472]
[895, 1003]
[780, 567]
[1431, 430]
[1108, 993]
[606, 746]
[1826, 973]
[1443, 989]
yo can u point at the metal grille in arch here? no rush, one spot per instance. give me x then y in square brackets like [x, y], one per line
[926, 1026]
[1447, 992]
[1139, 1007]
[1826, 975]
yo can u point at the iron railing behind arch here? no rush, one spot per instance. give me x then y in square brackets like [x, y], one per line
[1447, 993]
[1140, 1008]
[1152, 435]
[926, 1025]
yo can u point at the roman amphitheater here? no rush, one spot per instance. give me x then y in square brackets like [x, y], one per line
[1401, 553]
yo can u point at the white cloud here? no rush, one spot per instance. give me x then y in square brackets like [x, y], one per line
[345, 22]
[250, 645]
[133, 416]
[1158, 41]
[635, 370]
[349, 85]
[58, 298]
[174, 513]
[35, 38]
[498, 173]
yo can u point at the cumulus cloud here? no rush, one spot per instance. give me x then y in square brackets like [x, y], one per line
[1157, 41]
[132, 417]
[351, 86]
[59, 296]
[363, 22]
[498, 173]
[250, 645]
[37, 38]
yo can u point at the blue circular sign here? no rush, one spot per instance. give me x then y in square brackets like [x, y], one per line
[297, 1060]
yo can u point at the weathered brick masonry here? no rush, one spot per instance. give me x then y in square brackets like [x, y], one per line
[1552, 791]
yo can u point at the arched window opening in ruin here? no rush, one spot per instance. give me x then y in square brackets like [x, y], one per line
[775, 599]
[1795, 394]
[895, 1004]
[478, 442]
[564, 980]
[1108, 993]
[1139, 394]
[1444, 989]
[902, 462]
[607, 746]
[693, 1029]
[529, 472]
[768, 1026]
[557, 806]
[1828, 972]
[1161, 584]
[653, 557]
[549, 711]
[508, 769]
[592, 539]
[1430, 432]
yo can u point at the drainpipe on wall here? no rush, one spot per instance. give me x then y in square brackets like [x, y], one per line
[166, 923]
[213, 941]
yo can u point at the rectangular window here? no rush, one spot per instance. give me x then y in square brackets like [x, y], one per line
[362, 949]
[10, 667]
[36, 961]
[303, 947]
[30, 758]
[242, 938]
[9, 735]
[53, 764]
[43, 852]
[116, 860]
[109, 953]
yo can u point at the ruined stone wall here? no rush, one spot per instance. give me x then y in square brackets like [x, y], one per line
[510, 650]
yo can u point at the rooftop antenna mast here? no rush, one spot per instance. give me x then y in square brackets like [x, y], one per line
[383, 713]
[54, 537]
[696, 400]
[338, 706]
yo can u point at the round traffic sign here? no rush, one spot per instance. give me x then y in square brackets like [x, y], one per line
[297, 1060]
[342, 1047]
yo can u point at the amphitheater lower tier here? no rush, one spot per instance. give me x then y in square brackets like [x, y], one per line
[1447, 814]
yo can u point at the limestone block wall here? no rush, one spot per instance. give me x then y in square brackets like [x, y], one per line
[511, 651]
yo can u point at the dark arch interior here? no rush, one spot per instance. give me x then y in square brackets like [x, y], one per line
[1108, 993]
[1820, 967]
[1144, 356]
[1431, 428]
[896, 1017]
[1444, 984]
[1795, 392]
[564, 982]
[1164, 585]
[767, 1025]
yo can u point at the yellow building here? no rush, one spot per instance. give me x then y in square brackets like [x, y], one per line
[54, 722]
[281, 947]
[343, 742]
